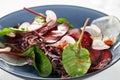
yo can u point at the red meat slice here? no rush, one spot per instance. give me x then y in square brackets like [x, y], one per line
[99, 58]
[86, 40]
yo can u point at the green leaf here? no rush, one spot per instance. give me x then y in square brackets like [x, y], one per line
[76, 61]
[6, 31]
[40, 61]
[39, 20]
[64, 20]
[29, 52]
[61, 20]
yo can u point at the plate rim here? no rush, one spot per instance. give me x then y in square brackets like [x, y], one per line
[81, 77]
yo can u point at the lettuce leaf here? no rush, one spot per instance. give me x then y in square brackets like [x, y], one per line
[76, 61]
[40, 61]
[64, 20]
[9, 30]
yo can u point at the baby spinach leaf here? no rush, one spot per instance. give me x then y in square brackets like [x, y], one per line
[76, 63]
[75, 59]
[40, 61]
[6, 31]
[29, 52]
[64, 20]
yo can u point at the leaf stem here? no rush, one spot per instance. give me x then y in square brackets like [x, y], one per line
[83, 30]
[34, 12]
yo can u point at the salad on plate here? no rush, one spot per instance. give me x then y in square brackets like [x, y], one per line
[54, 47]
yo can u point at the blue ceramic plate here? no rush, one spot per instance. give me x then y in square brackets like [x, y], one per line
[76, 15]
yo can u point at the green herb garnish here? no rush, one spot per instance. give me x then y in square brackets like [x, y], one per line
[9, 30]
[40, 61]
[75, 59]
[39, 20]
[64, 20]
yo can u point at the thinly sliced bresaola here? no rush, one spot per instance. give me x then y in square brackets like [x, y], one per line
[86, 40]
[55, 35]
[99, 58]
[75, 33]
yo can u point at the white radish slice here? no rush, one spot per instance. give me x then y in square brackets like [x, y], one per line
[11, 35]
[24, 26]
[6, 49]
[33, 27]
[110, 27]
[29, 27]
[61, 30]
[51, 16]
[94, 31]
[99, 45]
[39, 20]
[13, 60]
[64, 41]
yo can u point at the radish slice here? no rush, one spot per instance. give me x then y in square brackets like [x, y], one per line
[6, 49]
[64, 41]
[94, 31]
[13, 60]
[51, 16]
[24, 26]
[96, 34]
[30, 27]
[110, 27]
[61, 30]
[33, 27]
[11, 35]
[99, 45]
